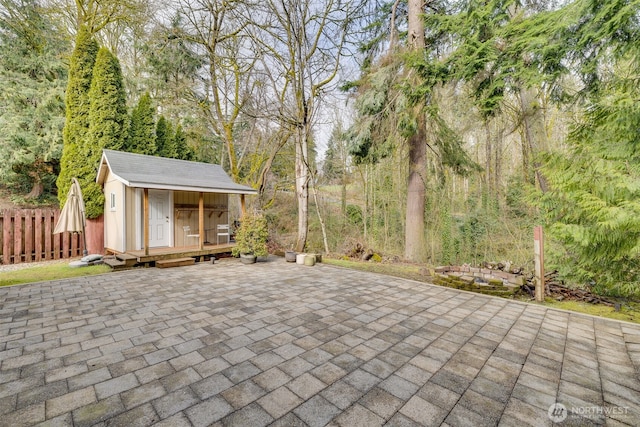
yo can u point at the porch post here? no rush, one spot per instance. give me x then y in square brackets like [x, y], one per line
[243, 207]
[145, 211]
[201, 219]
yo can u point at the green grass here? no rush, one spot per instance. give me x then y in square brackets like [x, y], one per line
[49, 272]
[629, 311]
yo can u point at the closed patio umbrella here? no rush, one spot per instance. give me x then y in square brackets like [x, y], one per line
[72, 214]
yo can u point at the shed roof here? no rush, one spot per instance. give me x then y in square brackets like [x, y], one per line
[142, 171]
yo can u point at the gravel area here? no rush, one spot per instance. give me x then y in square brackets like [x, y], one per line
[23, 265]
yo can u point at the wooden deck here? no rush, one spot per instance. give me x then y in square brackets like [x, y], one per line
[158, 254]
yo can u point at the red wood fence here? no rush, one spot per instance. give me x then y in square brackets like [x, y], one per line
[26, 235]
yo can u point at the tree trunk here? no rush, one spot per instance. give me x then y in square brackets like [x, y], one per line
[488, 157]
[323, 227]
[416, 189]
[343, 193]
[36, 190]
[534, 130]
[302, 190]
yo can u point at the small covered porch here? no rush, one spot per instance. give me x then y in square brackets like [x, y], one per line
[199, 230]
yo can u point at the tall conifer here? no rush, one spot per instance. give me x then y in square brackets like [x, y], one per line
[108, 122]
[164, 136]
[33, 77]
[142, 132]
[75, 150]
[182, 149]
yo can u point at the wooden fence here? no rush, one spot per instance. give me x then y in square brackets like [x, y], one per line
[26, 235]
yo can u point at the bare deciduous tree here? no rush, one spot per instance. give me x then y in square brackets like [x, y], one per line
[304, 41]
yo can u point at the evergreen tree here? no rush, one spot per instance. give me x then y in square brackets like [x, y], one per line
[182, 149]
[75, 150]
[142, 133]
[165, 139]
[108, 125]
[397, 107]
[32, 77]
[593, 209]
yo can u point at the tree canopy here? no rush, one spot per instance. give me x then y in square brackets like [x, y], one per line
[142, 137]
[32, 77]
[76, 129]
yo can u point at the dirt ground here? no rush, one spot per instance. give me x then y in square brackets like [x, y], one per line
[7, 203]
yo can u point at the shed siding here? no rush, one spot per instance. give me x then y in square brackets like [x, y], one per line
[114, 216]
[133, 221]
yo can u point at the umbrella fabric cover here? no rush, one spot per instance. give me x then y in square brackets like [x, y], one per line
[72, 214]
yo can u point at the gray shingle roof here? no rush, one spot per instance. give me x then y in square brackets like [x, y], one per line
[141, 171]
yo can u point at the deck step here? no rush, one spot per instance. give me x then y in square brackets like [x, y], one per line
[115, 263]
[128, 259]
[177, 262]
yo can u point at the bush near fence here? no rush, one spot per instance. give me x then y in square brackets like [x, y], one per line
[26, 235]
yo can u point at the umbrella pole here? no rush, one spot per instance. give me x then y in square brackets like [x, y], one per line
[84, 240]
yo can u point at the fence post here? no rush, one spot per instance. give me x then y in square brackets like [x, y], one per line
[49, 236]
[17, 237]
[538, 249]
[38, 235]
[28, 235]
[7, 238]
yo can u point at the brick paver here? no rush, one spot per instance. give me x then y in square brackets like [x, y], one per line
[284, 345]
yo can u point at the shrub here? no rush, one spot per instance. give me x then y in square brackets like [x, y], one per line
[251, 236]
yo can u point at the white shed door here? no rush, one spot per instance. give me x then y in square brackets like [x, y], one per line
[159, 220]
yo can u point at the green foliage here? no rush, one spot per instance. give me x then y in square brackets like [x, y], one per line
[172, 63]
[108, 122]
[471, 231]
[142, 132]
[593, 210]
[172, 144]
[446, 254]
[75, 135]
[374, 133]
[474, 229]
[390, 105]
[32, 77]
[251, 236]
[600, 29]
[165, 139]
[499, 46]
[354, 215]
[515, 198]
[451, 153]
[182, 149]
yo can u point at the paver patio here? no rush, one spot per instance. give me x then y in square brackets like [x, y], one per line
[286, 345]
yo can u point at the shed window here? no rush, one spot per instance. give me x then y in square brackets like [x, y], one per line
[112, 203]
